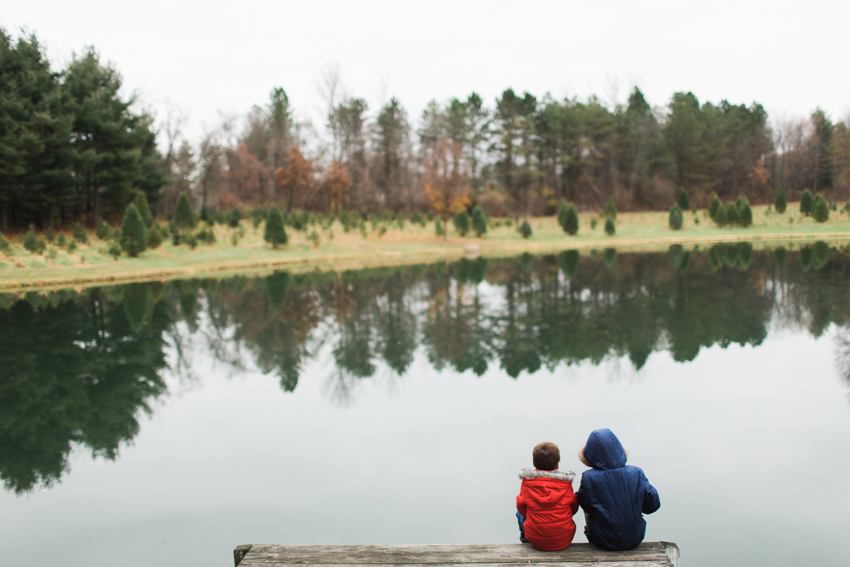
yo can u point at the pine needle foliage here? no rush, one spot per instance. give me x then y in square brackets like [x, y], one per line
[274, 234]
[610, 229]
[525, 229]
[780, 203]
[806, 202]
[141, 202]
[479, 221]
[683, 201]
[184, 217]
[820, 209]
[133, 237]
[610, 209]
[675, 220]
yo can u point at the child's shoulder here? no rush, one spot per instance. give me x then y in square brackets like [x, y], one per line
[530, 474]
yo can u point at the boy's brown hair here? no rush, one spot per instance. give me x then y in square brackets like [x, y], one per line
[546, 456]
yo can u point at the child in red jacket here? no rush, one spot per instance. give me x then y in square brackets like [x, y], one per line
[546, 503]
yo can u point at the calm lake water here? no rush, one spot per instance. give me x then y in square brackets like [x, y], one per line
[164, 424]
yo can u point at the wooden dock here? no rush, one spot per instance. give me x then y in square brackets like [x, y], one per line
[647, 554]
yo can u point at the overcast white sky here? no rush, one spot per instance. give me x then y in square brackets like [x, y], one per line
[213, 56]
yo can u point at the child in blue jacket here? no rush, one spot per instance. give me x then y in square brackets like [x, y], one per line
[613, 495]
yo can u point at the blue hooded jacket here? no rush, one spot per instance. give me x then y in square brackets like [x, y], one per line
[614, 495]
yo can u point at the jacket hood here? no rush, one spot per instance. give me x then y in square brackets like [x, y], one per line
[603, 451]
[567, 476]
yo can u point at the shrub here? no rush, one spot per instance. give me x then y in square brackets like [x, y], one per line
[820, 209]
[257, 217]
[525, 229]
[72, 246]
[275, 234]
[417, 218]
[79, 233]
[740, 202]
[563, 207]
[675, 220]
[780, 204]
[141, 203]
[593, 223]
[720, 215]
[610, 209]
[50, 234]
[233, 217]
[713, 205]
[205, 235]
[176, 238]
[5, 246]
[683, 201]
[731, 213]
[461, 222]
[745, 215]
[571, 221]
[60, 240]
[479, 221]
[190, 241]
[315, 239]
[438, 228]
[104, 231]
[184, 217]
[154, 237]
[609, 227]
[133, 237]
[114, 250]
[806, 202]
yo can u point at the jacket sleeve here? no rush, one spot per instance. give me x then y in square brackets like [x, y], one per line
[522, 502]
[651, 501]
[583, 494]
[573, 503]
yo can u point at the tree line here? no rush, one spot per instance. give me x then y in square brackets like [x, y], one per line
[72, 148]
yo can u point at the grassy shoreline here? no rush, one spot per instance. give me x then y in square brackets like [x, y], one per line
[337, 250]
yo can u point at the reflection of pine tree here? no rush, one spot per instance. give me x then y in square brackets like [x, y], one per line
[568, 261]
[277, 285]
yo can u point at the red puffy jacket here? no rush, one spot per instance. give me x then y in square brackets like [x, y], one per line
[547, 502]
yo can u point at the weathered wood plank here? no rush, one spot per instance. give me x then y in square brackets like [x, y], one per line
[505, 555]
[251, 561]
[239, 553]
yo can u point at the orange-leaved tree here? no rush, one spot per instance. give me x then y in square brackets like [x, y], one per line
[337, 183]
[296, 178]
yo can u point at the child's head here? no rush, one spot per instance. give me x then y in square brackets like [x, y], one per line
[546, 456]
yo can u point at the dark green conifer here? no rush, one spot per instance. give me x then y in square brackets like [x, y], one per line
[780, 204]
[114, 250]
[675, 219]
[731, 213]
[275, 233]
[610, 209]
[50, 234]
[479, 221]
[133, 237]
[80, 233]
[683, 201]
[141, 202]
[571, 220]
[438, 228]
[806, 202]
[713, 206]
[184, 217]
[234, 217]
[563, 207]
[525, 229]
[104, 231]
[461, 222]
[609, 227]
[154, 236]
[781, 254]
[5, 245]
[720, 215]
[820, 209]
[745, 215]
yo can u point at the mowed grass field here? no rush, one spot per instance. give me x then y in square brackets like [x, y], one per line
[337, 250]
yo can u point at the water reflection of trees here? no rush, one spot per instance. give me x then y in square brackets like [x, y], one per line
[81, 367]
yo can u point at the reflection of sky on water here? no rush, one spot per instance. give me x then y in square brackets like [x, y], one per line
[744, 444]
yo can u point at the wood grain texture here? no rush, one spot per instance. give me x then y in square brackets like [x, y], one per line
[649, 554]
